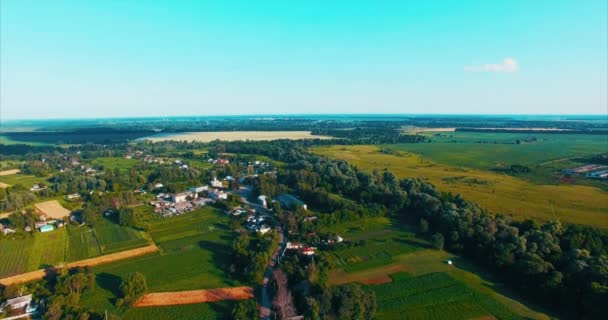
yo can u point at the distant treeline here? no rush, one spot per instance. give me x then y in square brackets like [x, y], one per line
[80, 136]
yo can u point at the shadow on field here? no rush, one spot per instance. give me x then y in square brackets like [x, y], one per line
[223, 307]
[109, 282]
[413, 243]
[220, 255]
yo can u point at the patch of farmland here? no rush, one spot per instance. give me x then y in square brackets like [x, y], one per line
[48, 249]
[498, 192]
[82, 244]
[114, 238]
[234, 136]
[435, 296]
[111, 163]
[52, 209]
[14, 255]
[201, 311]
[27, 180]
[9, 172]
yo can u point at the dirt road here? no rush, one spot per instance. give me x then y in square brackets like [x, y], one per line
[194, 296]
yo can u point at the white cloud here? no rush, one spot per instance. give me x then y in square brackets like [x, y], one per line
[507, 65]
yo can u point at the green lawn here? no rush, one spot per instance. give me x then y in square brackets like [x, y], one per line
[194, 254]
[82, 244]
[35, 251]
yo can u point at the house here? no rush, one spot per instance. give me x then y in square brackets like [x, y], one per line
[307, 251]
[262, 200]
[47, 228]
[37, 187]
[40, 224]
[223, 161]
[158, 186]
[218, 194]
[6, 230]
[603, 174]
[180, 197]
[289, 201]
[264, 229]
[229, 178]
[73, 196]
[294, 246]
[19, 303]
[216, 183]
[199, 189]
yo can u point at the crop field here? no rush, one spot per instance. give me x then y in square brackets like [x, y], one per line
[52, 209]
[14, 255]
[9, 164]
[435, 296]
[114, 238]
[48, 249]
[483, 150]
[202, 311]
[497, 192]
[194, 254]
[111, 163]
[27, 180]
[234, 136]
[82, 244]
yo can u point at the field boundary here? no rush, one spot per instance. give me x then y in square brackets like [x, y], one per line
[194, 296]
[41, 273]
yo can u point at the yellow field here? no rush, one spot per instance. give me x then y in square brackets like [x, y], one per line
[9, 172]
[52, 209]
[235, 136]
[494, 191]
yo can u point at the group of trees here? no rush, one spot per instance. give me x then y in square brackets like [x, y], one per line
[251, 254]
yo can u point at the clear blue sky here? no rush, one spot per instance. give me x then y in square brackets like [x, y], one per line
[116, 58]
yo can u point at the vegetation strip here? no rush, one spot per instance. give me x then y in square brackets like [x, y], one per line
[39, 274]
[194, 296]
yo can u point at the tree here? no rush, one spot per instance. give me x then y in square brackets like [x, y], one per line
[424, 225]
[437, 240]
[245, 310]
[132, 289]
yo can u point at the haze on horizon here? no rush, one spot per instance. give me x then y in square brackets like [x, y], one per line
[74, 59]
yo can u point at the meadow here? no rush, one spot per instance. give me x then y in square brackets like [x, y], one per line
[234, 136]
[194, 254]
[498, 192]
[111, 163]
[114, 238]
[27, 180]
[202, 311]
[435, 296]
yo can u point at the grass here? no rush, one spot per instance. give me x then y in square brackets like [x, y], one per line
[114, 238]
[203, 311]
[82, 244]
[10, 164]
[495, 191]
[14, 257]
[27, 180]
[48, 249]
[194, 254]
[435, 296]
[111, 163]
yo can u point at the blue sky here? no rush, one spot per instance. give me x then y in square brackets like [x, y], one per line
[146, 58]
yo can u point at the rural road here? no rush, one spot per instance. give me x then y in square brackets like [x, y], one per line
[265, 299]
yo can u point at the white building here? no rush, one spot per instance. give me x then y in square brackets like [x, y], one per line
[216, 183]
[180, 197]
[17, 303]
[199, 189]
[218, 194]
[262, 200]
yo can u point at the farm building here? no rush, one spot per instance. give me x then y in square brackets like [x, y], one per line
[307, 251]
[218, 194]
[73, 196]
[289, 201]
[584, 169]
[47, 228]
[23, 303]
[180, 197]
[262, 200]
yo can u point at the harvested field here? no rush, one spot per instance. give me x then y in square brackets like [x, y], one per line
[52, 209]
[9, 172]
[234, 136]
[4, 185]
[39, 274]
[194, 296]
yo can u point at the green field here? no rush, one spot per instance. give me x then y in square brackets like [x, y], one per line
[111, 163]
[14, 255]
[194, 254]
[114, 238]
[435, 296]
[34, 252]
[495, 191]
[203, 311]
[9, 164]
[27, 180]
[82, 244]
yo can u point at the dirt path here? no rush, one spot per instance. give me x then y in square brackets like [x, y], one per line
[194, 296]
[39, 274]
[265, 299]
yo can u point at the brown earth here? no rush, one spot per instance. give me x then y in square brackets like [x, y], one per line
[9, 172]
[39, 274]
[52, 209]
[194, 296]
